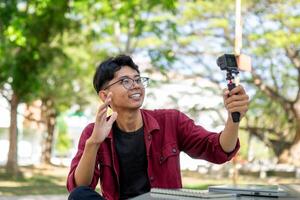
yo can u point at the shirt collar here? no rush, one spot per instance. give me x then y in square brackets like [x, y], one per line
[150, 123]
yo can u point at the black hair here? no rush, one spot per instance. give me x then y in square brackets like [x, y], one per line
[106, 70]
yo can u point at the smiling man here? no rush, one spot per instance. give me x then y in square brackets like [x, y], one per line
[135, 149]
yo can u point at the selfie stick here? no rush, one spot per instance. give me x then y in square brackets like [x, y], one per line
[231, 63]
[237, 51]
[228, 62]
[232, 83]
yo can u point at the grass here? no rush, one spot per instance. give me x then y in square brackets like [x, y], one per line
[36, 180]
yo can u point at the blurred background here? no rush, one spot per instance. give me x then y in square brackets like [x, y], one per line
[49, 50]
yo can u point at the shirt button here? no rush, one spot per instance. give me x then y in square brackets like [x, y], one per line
[149, 137]
[174, 150]
[151, 178]
[161, 159]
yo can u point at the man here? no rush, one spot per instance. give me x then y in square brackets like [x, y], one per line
[136, 149]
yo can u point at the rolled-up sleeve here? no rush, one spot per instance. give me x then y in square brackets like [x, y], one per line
[71, 184]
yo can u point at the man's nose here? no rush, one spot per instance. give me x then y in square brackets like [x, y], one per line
[135, 84]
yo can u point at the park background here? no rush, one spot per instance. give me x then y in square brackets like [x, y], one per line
[49, 50]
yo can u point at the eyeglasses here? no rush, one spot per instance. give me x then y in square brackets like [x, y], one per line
[128, 82]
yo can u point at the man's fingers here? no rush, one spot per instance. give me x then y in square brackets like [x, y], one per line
[237, 98]
[112, 118]
[108, 99]
[240, 109]
[106, 103]
[101, 115]
[225, 93]
[237, 104]
[237, 90]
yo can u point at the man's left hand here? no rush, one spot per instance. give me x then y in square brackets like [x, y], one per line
[236, 100]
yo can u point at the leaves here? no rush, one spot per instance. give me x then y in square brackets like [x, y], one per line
[49, 49]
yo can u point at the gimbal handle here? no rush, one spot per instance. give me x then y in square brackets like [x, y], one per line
[235, 115]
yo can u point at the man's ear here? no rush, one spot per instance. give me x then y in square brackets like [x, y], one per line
[102, 95]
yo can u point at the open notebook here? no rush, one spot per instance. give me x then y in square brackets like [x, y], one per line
[189, 193]
[250, 190]
[182, 194]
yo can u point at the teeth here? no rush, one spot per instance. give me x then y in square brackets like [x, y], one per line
[135, 95]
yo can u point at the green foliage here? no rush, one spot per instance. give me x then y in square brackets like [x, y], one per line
[27, 33]
[49, 49]
[29, 36]
[63, 141]
[115, 27]
[277, 33]
[271, 37]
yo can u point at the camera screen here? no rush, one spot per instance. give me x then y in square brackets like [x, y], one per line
[231, 61]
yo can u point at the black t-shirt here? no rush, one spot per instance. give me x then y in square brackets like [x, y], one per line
[131, 151]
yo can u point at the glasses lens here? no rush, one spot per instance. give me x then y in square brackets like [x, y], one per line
[145, 81]
[127, 83]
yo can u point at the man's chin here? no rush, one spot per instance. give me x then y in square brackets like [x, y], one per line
[137, 106]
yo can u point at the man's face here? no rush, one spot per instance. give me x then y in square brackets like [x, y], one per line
[126, 98]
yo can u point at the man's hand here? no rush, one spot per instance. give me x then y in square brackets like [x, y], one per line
[85, 169]
[102, 126]
[236, 100]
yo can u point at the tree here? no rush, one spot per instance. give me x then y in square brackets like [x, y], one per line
[27, 30]
[271, 37]
[65, 88]
[276, 48]
[68, 76]
[128, 27]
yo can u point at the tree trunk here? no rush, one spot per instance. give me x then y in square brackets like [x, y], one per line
[295, 150]
[12, 159]
[50, 119]
[292, 154]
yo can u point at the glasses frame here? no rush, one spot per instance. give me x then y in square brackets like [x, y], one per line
[142, 79]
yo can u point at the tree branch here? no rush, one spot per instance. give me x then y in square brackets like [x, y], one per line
[200, 75]
[5, 97]
[257, 80]
[294, 57]
[216, 111]
[273, 76]
[259, 133]
[28, 117]
[130, 28]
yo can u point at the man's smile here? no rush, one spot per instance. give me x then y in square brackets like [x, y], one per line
[135, 96]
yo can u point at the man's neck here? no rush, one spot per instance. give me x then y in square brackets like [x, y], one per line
[130, 121]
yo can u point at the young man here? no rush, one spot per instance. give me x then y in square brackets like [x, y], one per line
[136, 149]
